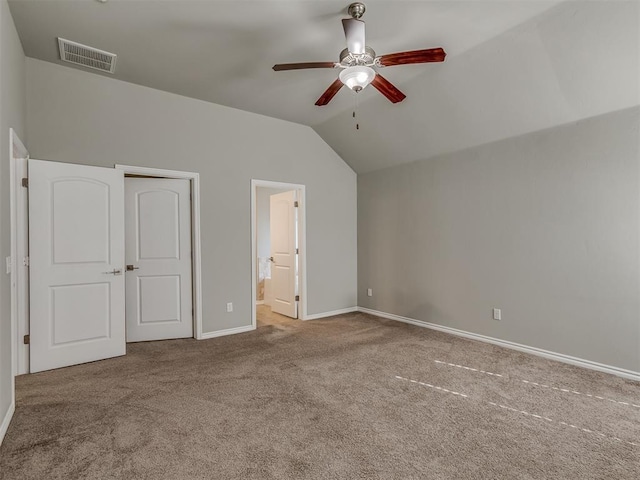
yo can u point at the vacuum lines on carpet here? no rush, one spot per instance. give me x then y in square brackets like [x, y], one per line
[523, 412]
[558, 389]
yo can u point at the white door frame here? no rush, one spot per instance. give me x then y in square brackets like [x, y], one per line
[18, 210]
[302, 243]
[195, 231]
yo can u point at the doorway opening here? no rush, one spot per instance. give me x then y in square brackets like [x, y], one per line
[278, 252]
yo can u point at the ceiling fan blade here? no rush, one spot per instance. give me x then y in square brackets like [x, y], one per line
[300, 66]
[387, 89]
[354, 33]
[330, 93]
[415, 56]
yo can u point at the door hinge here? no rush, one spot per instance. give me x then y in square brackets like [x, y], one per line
[297, 298]
[27, 339]
[296, 204]
[25, 182]
[297, 251]
[25, 261]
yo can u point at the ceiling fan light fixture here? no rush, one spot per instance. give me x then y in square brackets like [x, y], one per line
[357, 77]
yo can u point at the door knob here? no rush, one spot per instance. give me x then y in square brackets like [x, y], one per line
[113, 272]
[131, 267]
[271, 259]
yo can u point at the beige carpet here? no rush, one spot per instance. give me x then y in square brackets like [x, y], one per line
[326, 399]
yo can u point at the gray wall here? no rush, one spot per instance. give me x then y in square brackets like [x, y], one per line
[80, 117]
[12, 115]
[544, 226]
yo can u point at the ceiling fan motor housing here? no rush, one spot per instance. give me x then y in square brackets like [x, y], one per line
[348, 59]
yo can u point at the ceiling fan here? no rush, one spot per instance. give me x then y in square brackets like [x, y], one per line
[357, 62]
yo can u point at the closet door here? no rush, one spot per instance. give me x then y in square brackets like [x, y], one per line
[77, 283]
[158, 254]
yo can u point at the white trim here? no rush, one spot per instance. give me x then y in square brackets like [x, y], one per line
[19, 205]
[17, 151]
[195, 234]
[260, 302]
[6, 421]
[580, 362]
[342, 311]
[302, 242]
[228, 331]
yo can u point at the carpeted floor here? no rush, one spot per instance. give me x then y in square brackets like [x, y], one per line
[337, 398]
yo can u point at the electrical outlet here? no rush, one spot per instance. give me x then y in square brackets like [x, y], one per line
[229, 307]
[497, 314]
[369, 292]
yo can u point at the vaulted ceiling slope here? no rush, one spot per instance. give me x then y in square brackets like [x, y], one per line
[574, 61]
[512, 66]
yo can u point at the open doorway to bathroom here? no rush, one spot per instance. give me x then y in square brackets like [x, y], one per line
[278, 253]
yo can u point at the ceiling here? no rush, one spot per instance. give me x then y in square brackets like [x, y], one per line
[505, 72]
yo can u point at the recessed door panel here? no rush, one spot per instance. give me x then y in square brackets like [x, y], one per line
[80, 235]
[158, 252]
[159, 299]
[80, 313]
[280, 238]
[158, 218]
[281, 280]
[76, 246]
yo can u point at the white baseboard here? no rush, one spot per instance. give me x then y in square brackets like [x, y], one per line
[6, 421]
[228, 331]
[342, 311]
[580, 362]
[260, 302]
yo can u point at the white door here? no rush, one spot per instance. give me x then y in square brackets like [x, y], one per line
[76, 244]
[158, 258]
[284, 277]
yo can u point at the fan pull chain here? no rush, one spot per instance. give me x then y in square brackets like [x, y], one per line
[355, 108]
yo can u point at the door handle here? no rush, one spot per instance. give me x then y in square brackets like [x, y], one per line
[131, 267]
[113, 272]
[271, 259]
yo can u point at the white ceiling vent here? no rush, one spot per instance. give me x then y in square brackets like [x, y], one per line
[85, 56]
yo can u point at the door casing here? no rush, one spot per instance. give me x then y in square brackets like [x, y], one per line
[196, 270]
[19, 244]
